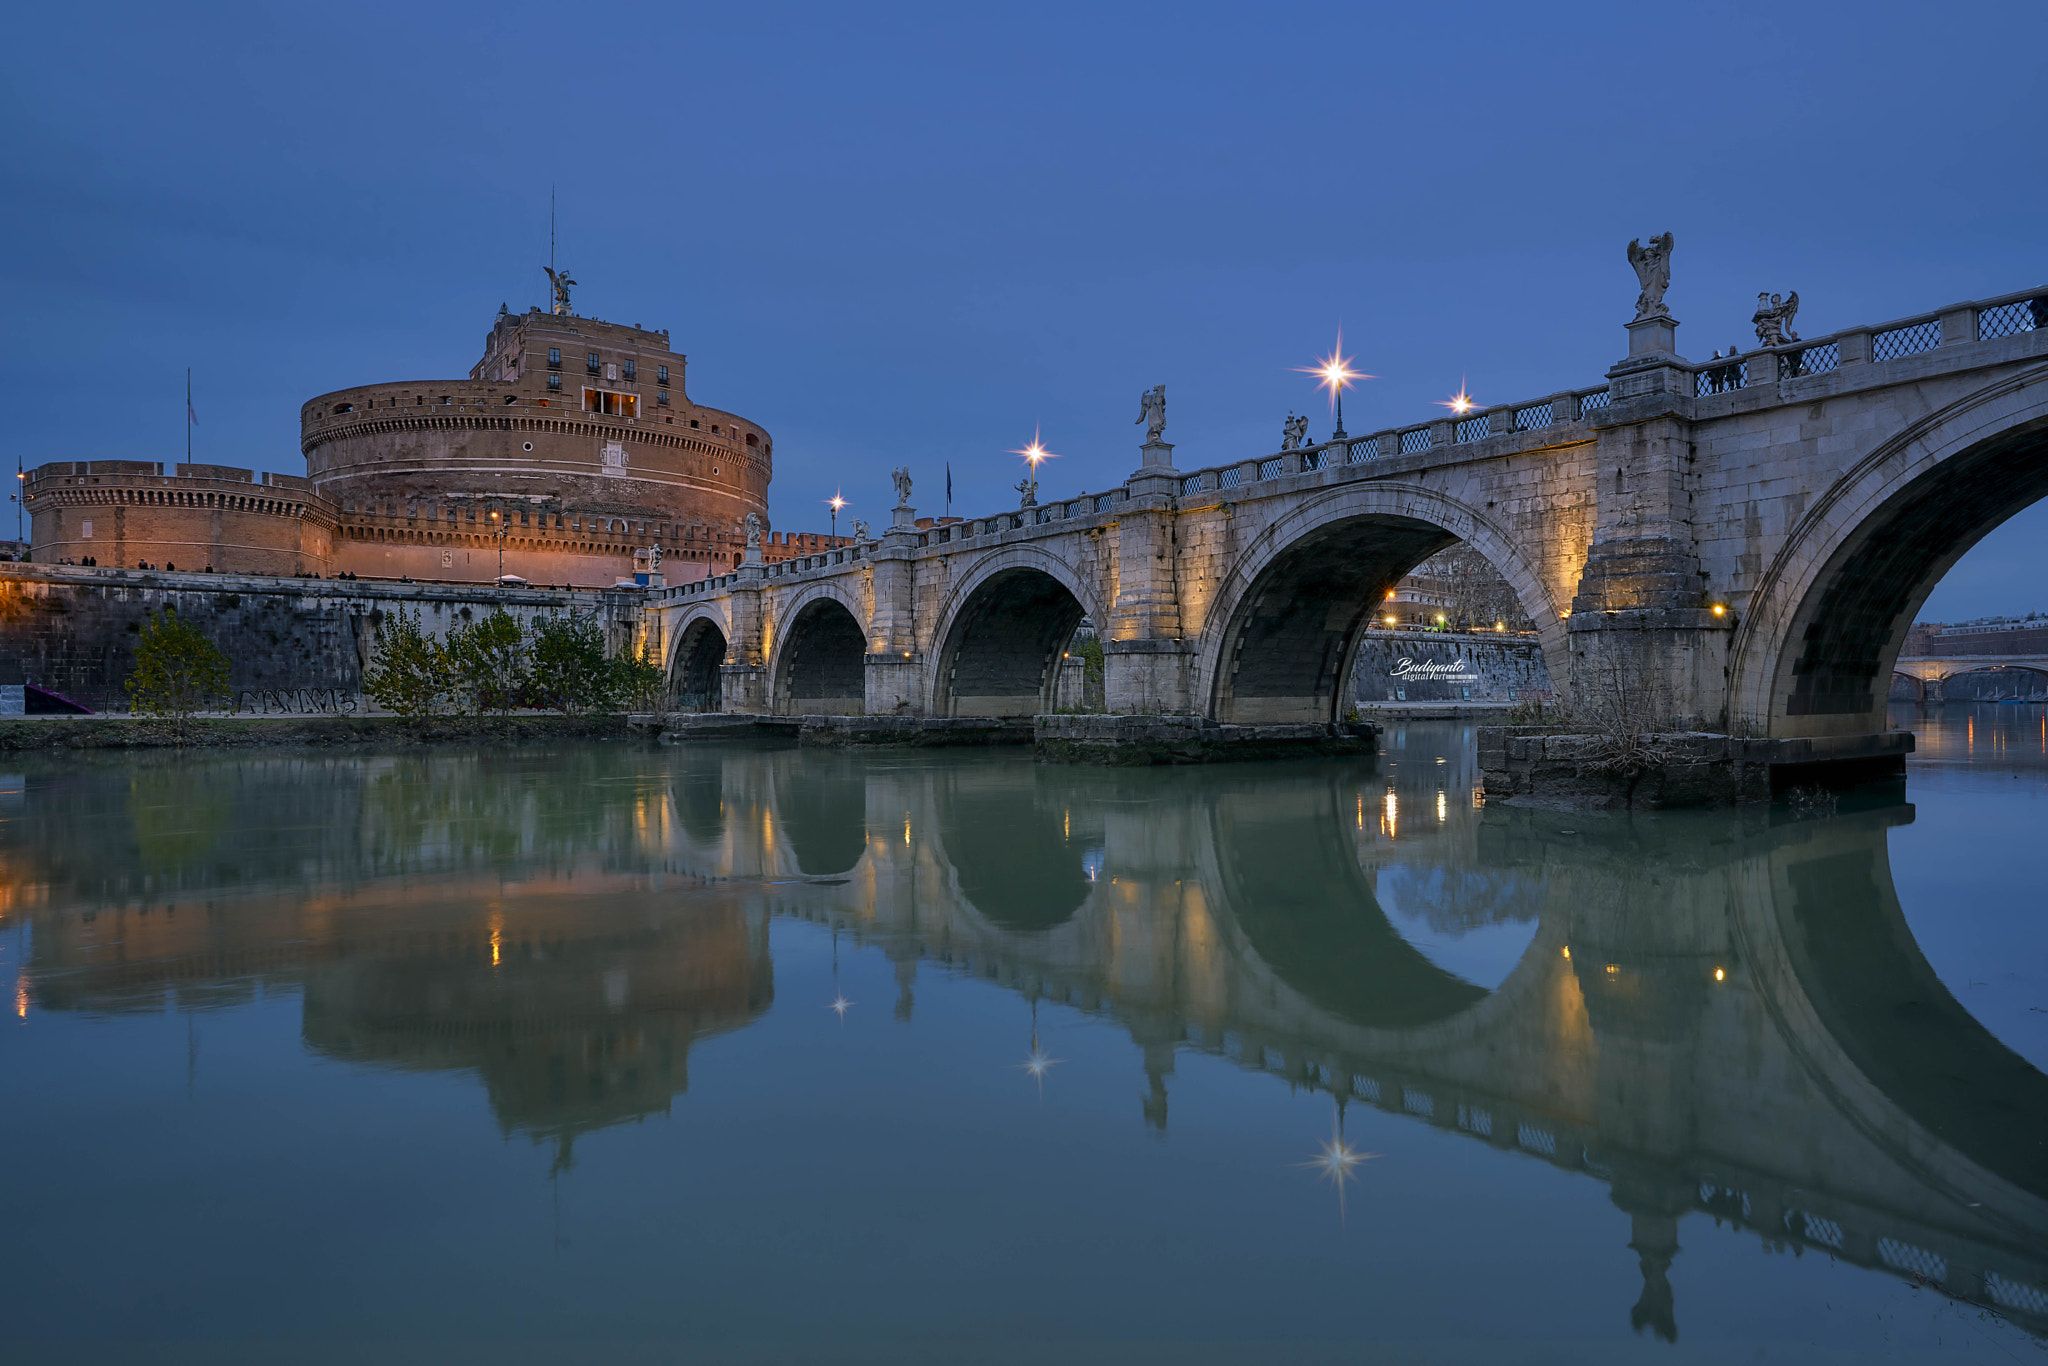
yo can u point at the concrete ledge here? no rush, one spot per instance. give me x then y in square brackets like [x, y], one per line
[1548, 765]
[676, 728]
[1142, 741]
[862, 732]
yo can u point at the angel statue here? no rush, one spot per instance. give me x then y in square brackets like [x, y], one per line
[860, 533]
[1027, 492]
[654, 559]
[560, 283]
[900, 476]
[1774, 314]
[1152, 412]
[1653, 272]
[753, 531]
[1293, 433]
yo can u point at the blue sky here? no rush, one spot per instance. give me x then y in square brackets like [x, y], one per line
[912, 234]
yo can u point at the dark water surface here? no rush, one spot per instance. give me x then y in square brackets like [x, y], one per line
[737, 1053]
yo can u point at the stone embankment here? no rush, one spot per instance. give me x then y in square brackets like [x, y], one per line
[1549, 766]
[1123, 741]
[232, 732]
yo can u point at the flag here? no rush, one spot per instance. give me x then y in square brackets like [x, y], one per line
[191, 416]
[949, 483]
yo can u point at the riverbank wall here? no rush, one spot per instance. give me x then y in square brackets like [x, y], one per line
[293, 645]
[238, 732]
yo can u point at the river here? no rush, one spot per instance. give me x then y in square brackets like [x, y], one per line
[739, 1052]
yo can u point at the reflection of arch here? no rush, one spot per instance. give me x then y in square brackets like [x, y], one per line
[822, 809]
[694, 678]
[1015, 865]
[1285, 622]
[1292, 882]
[1881, 1035]
[1831, 611]
[820, 657]
[1002, 629]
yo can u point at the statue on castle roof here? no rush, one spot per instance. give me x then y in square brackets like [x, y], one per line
[900, 476]
[560, 282]
[1653, 273]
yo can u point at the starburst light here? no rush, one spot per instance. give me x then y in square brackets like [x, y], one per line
[1334, 373]
[1461, 402]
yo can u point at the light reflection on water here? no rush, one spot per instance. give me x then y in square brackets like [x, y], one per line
[733, 1044]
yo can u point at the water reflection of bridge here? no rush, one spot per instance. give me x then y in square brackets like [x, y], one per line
[1717, 1013]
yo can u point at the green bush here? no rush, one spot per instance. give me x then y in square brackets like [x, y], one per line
[177, 670]
[412, 672]
[637, 680]
[488, 659]
[570, 672]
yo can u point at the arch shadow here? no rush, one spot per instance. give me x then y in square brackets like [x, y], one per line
[1282, 636]
[1002, 644]
[695, 679]
[1831, 613]
[820, 664]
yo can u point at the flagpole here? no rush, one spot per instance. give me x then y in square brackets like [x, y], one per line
[188, 414]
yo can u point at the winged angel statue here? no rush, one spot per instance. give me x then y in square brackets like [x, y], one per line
[1653, 271]
[560, 283]
[1774, 315]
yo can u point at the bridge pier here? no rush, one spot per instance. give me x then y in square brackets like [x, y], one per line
[1146, 662]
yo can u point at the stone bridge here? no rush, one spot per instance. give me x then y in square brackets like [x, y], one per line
[1746, 540]
[1931, 678]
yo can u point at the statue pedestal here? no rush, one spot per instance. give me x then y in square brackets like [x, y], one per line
[1158, 457]
[1656, 336]
[903, 518]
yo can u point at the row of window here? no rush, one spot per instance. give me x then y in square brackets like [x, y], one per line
[628, 369]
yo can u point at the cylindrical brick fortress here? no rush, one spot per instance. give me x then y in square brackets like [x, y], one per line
[574, 438]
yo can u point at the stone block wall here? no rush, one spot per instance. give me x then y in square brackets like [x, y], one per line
[74, 632]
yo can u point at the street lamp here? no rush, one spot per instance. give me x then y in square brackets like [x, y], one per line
[835, 502]
[1334, 373]
[498, 521]
[1034, 455]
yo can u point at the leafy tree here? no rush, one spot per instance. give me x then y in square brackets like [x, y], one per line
[638, 680]
[177, 670]
[570, 672]
[489, 663]
[412, 672]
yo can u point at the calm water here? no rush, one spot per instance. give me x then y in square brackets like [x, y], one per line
[746, 1053]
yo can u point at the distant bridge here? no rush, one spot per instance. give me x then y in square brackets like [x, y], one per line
[1754, 535]
[1933, 679]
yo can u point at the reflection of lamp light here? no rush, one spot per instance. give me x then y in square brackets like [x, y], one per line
[1335, 1159]
[1720, 974]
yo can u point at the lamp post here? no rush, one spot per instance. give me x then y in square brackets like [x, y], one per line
[835, 502]
[1034, 455]
[1334, 372]
[498, 521]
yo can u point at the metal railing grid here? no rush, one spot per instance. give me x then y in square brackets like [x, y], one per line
[1415, 441]
[1533, 417]
[1229, 478]
[1810, 360]
[1599, 398]
[2006, 320]
[1362, 451]
[1724, 378]
[1472, 429]
[1905, 341]
[1272, 469]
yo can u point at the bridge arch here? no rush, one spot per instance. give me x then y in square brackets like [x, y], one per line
[1831, 612]
[1282, 631]
[1001, 630]
[696, 660]
[818, 666]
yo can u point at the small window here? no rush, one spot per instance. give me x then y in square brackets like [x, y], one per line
[555, 382]
[753, 440]
[593, 364]
[554, 357]
[661, 397]
[693, 422]
[661, 374]
[341, 408]
[627, 369]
